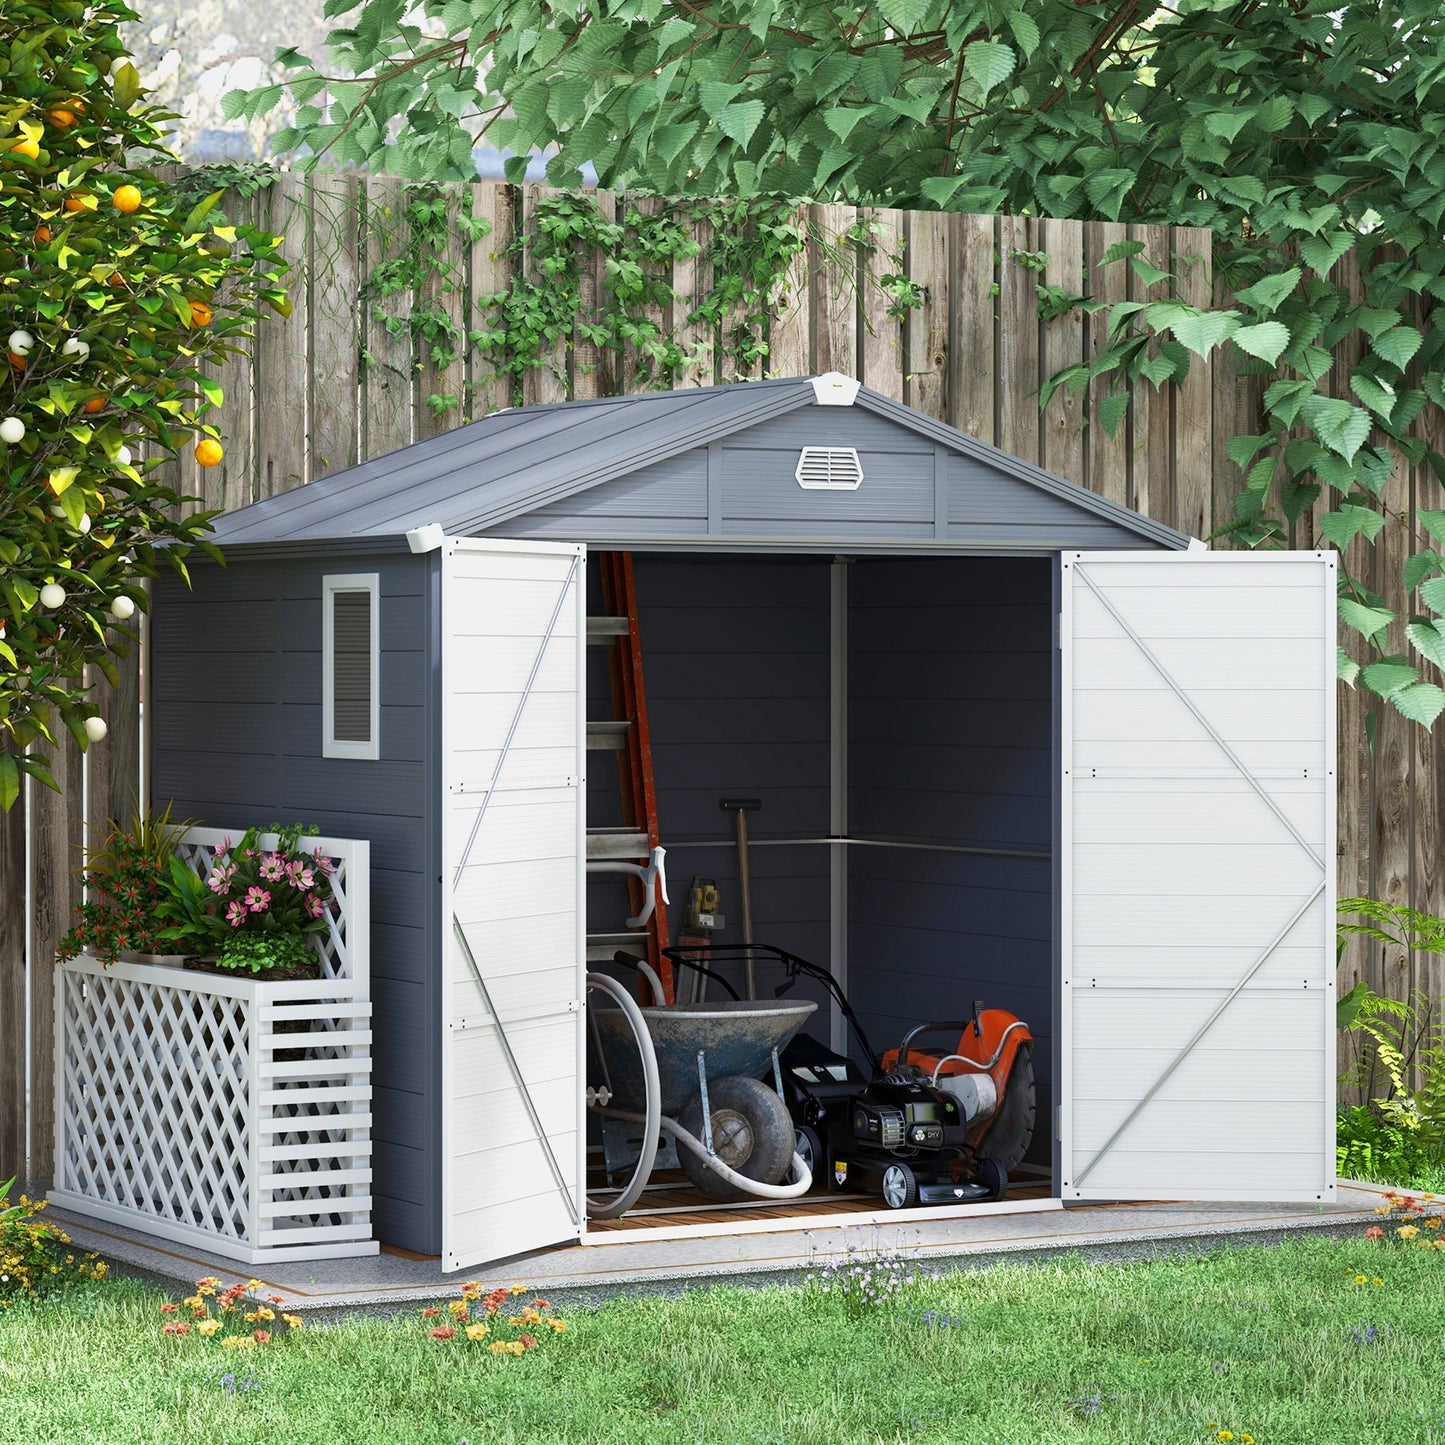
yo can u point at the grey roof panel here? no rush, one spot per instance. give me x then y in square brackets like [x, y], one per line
[479, 476]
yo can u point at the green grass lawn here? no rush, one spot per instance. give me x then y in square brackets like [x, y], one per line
[1281, 1344]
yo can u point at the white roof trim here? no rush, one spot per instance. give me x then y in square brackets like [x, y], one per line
[835, 389]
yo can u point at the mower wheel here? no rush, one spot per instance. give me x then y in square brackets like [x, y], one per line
[900, 1186]
[808, 1146]
[751, 1133]
[992, 1174]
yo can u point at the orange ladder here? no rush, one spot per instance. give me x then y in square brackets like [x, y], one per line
[631, 848]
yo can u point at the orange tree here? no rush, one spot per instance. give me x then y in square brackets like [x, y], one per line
[116, 287]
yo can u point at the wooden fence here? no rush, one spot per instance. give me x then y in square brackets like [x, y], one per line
[332, 386]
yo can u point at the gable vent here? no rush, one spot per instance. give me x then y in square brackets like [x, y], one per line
[829, 469]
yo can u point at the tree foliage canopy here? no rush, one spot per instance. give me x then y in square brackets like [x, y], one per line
[116, 287]
[1309, 135]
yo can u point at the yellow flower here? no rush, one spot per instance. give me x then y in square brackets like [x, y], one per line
[1382, 1209]
[1245, 1438]
[477, 1332]
[231, 1342]
[459, 1308]
[255, 1284]
[194, 1303]
[292, 1321]
[519, 1289]
[265, 1313]
[207, 1327]
[1377, 1280]
[497, 1347]
[558, 1325]
[1407, 1231]
[1362, 1279]
[251, 1317]
[1225, 1435]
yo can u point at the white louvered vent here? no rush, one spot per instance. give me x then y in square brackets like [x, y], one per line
[829, 469]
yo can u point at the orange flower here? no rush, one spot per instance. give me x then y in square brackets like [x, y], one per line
[443, 1332]
[169, 1309]
[1374, 1232]
[262, 1336]
[430, 1314]
[176, 1327]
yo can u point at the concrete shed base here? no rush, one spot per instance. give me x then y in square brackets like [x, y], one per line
[398, 1282]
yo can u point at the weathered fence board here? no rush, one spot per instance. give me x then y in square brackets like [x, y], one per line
[333, 385]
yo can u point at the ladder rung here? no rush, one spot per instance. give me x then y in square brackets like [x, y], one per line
[617, 843]
[607, 735]
[601, 946]
[601, 630]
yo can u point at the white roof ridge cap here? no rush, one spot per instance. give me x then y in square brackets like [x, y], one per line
[835, 389]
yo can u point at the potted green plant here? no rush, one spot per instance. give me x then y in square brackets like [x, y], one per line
[127, 880]
[256, 909]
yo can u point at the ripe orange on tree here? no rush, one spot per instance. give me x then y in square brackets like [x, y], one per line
[126, 198]
[61, 118]
[42, 235]
[95, 404]
[200, 314]
[17, 361]
[27, 147]
[79, 201]
[208, 452]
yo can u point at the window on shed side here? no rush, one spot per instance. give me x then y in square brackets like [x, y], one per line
[350, 662]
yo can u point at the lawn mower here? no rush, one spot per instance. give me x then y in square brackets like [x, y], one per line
[927, 1127]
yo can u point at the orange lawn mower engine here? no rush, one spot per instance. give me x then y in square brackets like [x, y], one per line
[989, 1073]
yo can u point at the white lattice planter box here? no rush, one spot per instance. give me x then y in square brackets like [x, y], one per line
[221, 1111]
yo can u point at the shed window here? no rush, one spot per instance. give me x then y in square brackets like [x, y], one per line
[350, 667]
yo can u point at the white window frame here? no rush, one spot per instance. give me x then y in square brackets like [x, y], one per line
[331, 745]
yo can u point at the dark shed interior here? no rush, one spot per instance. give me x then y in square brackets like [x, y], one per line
[945, 800]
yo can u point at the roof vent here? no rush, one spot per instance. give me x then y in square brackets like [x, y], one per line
[829, 469]
[834, 389]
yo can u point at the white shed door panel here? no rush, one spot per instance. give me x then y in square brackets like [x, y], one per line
[513, 746]
[1197, 875]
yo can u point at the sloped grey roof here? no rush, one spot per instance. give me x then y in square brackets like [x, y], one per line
[477, 477]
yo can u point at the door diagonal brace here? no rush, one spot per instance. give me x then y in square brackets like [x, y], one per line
[1199, 717]
[516, 719]
[531, 1108]
[1203, 1029]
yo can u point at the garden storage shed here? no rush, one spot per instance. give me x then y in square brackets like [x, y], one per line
[1012, 741]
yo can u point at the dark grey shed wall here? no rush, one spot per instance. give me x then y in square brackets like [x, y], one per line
[735, 663]
[235, 725]
[913, 489]
[950, 717]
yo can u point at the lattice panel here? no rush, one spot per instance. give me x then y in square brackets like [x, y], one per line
[344, 947]
[155, 1106]
[223, 1106]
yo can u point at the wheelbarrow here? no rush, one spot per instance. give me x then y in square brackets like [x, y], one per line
[695, 1072]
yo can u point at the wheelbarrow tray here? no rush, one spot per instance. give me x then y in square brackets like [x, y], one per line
[737, 1037]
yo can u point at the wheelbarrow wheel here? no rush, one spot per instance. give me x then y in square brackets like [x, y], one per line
[751, 1133]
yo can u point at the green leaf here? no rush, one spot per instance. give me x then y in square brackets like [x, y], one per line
[1265, 341]
[1422, 703]
[125, 85]
[1420, 566]
[1226, 124]
[1284, 398]
[1397, 345]
[1025, 31]
[1112, 410]
[1427, 639]
[1433, 523]
[739, 122]
[1368, 621]
[1345, 524]
[1120, 250]
[1386, 678]
[1147, 272]
[1341, 426]
[1202, 332]
[1376, 395]
[989, 62]
[1432, 594]
[1269, 292]
[1346, 668]
[1321, 252]
[9, 782]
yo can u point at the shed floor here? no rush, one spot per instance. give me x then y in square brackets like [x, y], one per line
[397, 1281]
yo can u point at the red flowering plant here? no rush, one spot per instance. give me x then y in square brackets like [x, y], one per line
[126, 882]
[481, 1319]
[1409, 1220]
[256, 906]
[236, 1318]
